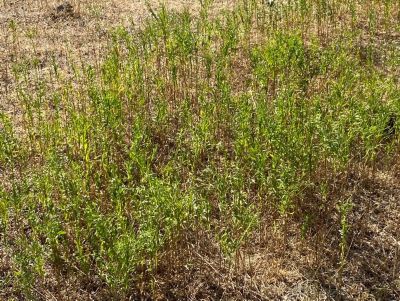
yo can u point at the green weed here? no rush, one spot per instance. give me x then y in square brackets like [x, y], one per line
[191, 124]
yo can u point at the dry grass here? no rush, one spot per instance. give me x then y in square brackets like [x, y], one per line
[70, 38]
[278, 262]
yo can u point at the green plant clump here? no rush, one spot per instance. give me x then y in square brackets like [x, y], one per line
[193, 125]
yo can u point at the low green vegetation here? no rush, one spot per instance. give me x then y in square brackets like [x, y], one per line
[194, 125]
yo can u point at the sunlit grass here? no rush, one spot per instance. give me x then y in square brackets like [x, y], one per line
[192, 123]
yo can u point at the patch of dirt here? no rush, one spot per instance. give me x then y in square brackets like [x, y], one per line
[63, 11]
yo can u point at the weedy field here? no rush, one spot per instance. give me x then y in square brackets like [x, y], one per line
[244, 150]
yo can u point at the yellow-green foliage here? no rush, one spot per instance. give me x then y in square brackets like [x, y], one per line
[191, 123]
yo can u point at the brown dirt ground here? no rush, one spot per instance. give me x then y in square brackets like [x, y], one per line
[276, 266]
